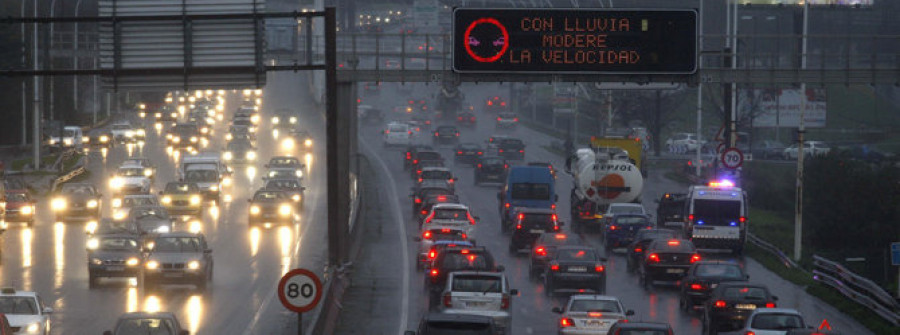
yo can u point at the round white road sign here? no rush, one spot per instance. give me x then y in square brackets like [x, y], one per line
[732, 158]
[299, 290]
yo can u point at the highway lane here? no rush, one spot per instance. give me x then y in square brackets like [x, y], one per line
[532, 309]
[50, 258]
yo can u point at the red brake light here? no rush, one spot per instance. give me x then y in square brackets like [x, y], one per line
[566, 322]
[743, 219]
[720, 304]
[448, 300]
[442, 198]
[490, 103]
[471, 219]
[505, 166]
[695, 258]
[696, 287]
[459, 152]
[481, 153]
[749, 332]
[501, 150]
[638, 250]
[479, 165]
[521, 216]
[418, 201]
[427, 235]
[554, 267]
[408, 155]
[435, 134]
[463, 235]
[770, 305]
[674, 243]
[553, 217]
[552, 206]
[411, 102]
[595, 314]
[653, 258]
[515, 119]
[459, 118]
[434, 272]
[691, 217]
[420, 180]
[518, 226]
[521, 151]
[504, 303]
[418, 171]
[503, 103]
[613, 227]
[506, 205]
[457, 134]
[464, 251]
[599, 268]
[429, 218]
[498, 118]
[540, 251]
[432, 254]
[415, 161]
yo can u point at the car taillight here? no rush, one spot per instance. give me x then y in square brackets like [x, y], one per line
[749, 332]
[504, 302]
[506, 205]
[653, 258]
[521, 216]
[432, 254]
[418, 201]
[554, 267]
[448, 300]
[613, 227]
[479, 165]
[427, 121]
[720, 304]
[638, 250]
[418, 171]
[599, 268]
[505, 166]
[435, 134]
[415, 161]
[459, 118]
[691, 217]
[459, 152]
[518, 226]
[770, 305]
[695, 258]
[498, 118]
[427, 235]
[420, 180]
[457, 134]
[696, 287]
[429, 218]
[515, 119]
[481, 152]
[566, 322]
[521, 151]
[540, 251]
[552, 206]
[501, 150]
[434, 272]
[471, 219]
[743, 219]
[408, 155]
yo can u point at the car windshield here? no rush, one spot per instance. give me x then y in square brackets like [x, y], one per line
[450, 214]
[283, 184]
[590, 305]
[265, 196]
[202, 175]
[436, 174]
[742, 293]
[531, 191]
[458, 328]
[131, 172]
[717, 212]
[284, 161]
[719, 270]
[77, 190]
[626, 210]
[16, 197]
[177, 244]
[119, 244]
[477, 283]
[180, 188]
[144, 213]
[777, 321]
[146, 326]
[576, 255]
[632, 220]
[139, 201]
[18, 306]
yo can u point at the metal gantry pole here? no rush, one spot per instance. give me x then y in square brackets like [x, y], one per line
[50, 64]
[24, 85]
[732, 124]
[699, 90]
[332, 139]
[36, 132]
[75, 61]
[801, 129]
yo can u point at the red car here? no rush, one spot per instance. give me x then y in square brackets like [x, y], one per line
[20, 206]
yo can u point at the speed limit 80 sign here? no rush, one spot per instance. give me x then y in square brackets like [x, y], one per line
[732, 158]
[300, 290]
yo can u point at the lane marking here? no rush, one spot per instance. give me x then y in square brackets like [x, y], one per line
[404, 303]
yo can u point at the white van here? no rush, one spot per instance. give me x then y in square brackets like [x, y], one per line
[71, 138]
[716, 216]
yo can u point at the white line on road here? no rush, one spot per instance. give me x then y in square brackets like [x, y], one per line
[404, 303]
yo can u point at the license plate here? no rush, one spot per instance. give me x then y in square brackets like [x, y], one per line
[173, 275]
[537, 231]
[475, 304]
[115, 268]
[713, 285]
[595, 323]
[577, 269]
[745, 306]
[674, 270]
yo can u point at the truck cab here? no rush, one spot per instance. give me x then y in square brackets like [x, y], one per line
[527, 186]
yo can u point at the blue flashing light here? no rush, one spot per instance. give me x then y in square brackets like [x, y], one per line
[700, 223]
[733, 223]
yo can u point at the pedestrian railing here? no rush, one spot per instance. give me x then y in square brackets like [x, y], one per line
[859, 289]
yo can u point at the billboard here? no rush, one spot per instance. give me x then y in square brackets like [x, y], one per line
[781, 107]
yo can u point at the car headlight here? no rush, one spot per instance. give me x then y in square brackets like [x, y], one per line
[251, 155]
[284, 210]
[254, 209]
[90, 227]
[252, 129]
[228, 137]
[226, 181]
[173, 115]
[85, 139]
[193, 139]
[58, 204]
[93, 244]
[293, 119]
[52, 141]
[227, 156]
[119, 215]
[115, 183]
[254, 119]
[163, 229]
[27, 210]
[204, 130]
[214, 188]
[166, 200]
[67, 141]
[296, 197]
[193, 265]
[116, 202]
[148, 172]
[299, 173]
[129, 133]
[308, 143]
[92, 204]
[104, 138]
[275, 120]
[195, 199]
[158, 115]
[152, 265]
[141, 133]
[287, 144]
[133, 261]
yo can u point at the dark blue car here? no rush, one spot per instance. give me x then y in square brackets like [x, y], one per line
[620, 232]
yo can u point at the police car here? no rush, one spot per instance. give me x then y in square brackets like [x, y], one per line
[25, 311]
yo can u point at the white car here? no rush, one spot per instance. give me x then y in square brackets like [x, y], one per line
[451, 215]
[130, 179]
[590, 314]
[121, 206]
[71, 137]
[149, 169]
[397, 134]
[810, 149]
[480, 293]
[122, 131]
[25, 311]
[434, 234]
[684, 142]
[771, 321]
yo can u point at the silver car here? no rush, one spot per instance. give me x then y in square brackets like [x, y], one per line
[590, 315]
[479, 293]
[178, 258]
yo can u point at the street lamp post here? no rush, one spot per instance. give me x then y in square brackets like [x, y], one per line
[75, 60]
[24, 88]
[50, 59]
[36, 132]
[801, 129]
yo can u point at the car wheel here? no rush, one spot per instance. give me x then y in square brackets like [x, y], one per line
[548, 287]
[683, 304]
[93, 281]
[607, 246]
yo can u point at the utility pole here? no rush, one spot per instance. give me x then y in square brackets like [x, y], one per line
[801, 130]
[75, 61]
[36, 132]
[699, 92]
[732, 123]
[24, 85]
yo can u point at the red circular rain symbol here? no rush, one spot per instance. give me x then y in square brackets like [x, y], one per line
[491, 21]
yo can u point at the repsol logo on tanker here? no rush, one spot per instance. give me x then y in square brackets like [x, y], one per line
[575, 40]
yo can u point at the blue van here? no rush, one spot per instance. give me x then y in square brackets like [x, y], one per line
[527, 186]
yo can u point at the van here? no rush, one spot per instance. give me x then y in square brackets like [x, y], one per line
[527, 186]
[715, 216]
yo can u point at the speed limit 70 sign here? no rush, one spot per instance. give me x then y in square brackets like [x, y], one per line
[732, 158]
[299, 290]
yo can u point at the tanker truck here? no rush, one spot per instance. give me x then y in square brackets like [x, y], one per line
[602, 176]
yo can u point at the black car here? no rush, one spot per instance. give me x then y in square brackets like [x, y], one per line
[239, 151]
[666, 260]
[529, 224]
[425, 190]
[730, 304]
[446, 135]
[495, 105]
[705, 276]
[467, 153]
[457, 324]
[76, 200]
[670, 208]
[544, 249]
[421, 155]
[99, 138]
[635, 251]
[166, 114]
[113, 255]
[432, 200]
[184, 136]
[151, 220]
[291, 188]
[575, 268]
[268, 208]
[507, 120]
[511, 148]
[284, 162]
[490, 168]
[412, 151]
[465, 119]
[622, 228]
[422, 164]
[642, 328]
[454, 259]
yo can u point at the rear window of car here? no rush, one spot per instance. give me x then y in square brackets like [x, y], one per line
[511, 142]
[576, 255]
[626, 210]
[719, 270]
[537, 221]
[470, 261]
[428, 155]
[588, 305]
[740, 293]
[477, 283]
[436, 175]
[632, 220]
[450, 214]
[777, 321]
[398, 128]
[457, 328]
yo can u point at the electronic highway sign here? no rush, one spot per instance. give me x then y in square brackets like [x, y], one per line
[560, 41]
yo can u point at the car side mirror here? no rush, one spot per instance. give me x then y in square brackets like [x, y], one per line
[775, 297]
[48, 310]
[107, 332]
[557, 310]
[500, 268]
[417, 238]
[514, 292]
[629, 312]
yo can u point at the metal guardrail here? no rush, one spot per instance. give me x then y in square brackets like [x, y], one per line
[72, 174]
[768, 247]
[859, 289]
